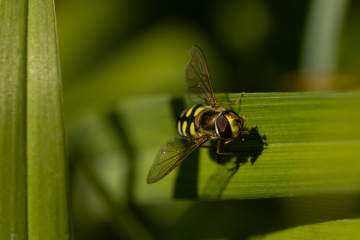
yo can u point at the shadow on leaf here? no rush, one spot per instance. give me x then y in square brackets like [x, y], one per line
[248, 150]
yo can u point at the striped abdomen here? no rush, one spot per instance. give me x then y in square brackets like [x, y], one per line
[186, 121]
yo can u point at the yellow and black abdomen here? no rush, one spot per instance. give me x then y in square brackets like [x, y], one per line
[186, 121]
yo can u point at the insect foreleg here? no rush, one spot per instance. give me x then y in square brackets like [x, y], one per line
[237, 101]
[228, 153]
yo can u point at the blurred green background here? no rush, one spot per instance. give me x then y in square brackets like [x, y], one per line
[112, 51]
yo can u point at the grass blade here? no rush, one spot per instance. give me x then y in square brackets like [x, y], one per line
[343, 229]
[12, 119]
[48, 191]
[299, 144]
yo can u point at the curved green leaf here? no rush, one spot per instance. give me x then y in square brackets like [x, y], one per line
[13, 24]
[299, 144]
[34, 194]
[48, 202]
[342, 229]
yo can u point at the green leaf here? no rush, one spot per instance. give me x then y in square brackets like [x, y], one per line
[48, 202]
[342, 229]
[34, 197]
[299, 144]
[13, 217]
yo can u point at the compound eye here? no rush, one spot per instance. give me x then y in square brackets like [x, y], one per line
[223, 127]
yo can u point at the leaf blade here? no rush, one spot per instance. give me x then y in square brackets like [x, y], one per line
[312, 145]
[48, 187]
[342, 229]
[13, 119]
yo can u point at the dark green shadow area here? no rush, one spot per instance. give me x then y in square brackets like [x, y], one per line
[248, 150]
[137, 218]
[118, 123]
[186, 182]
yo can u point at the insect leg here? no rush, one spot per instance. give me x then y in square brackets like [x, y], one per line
[231, 139]
[237, 101]
[228, 153]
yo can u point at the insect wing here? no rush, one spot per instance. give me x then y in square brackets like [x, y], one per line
[171, 155]
[197, 78]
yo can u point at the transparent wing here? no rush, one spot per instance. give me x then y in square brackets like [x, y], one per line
[197, 78]
[171, 155]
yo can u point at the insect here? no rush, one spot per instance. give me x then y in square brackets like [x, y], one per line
[199, 123]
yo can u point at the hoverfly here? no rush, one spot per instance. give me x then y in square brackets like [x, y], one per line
[199, 123]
